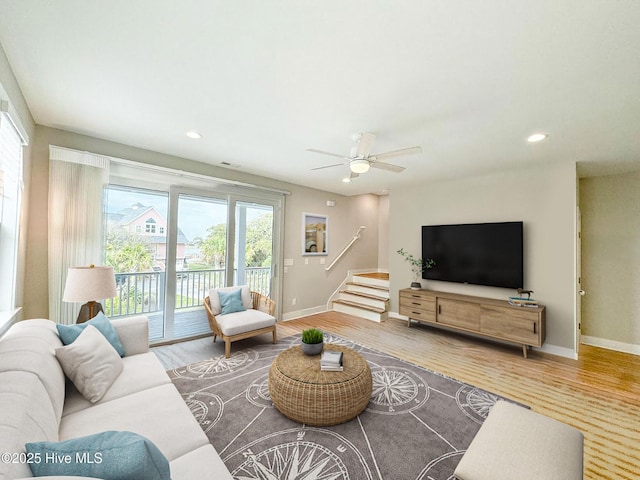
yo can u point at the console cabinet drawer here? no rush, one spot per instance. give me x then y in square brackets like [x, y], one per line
[418, 306]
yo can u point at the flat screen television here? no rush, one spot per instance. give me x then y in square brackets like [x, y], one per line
[476, 253]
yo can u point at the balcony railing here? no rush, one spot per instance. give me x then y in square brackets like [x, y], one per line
[143, 293]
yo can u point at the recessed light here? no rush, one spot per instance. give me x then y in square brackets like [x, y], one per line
[194, 135]
[346, 180]
[537, 137]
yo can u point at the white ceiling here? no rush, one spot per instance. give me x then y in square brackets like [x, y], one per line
[262, 81]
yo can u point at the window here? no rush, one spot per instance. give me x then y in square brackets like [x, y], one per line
[150, 226]
[11, 143]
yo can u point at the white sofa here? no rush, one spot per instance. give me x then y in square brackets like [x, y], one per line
[38, 404]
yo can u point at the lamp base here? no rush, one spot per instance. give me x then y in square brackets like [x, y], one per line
[88, 311]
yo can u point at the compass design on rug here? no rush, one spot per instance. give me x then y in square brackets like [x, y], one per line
[214, 367]
[475, 403]
[440, 468]
[258, 392]
[396, 390]
[299, 454]
[206, 407]
[335, 340]
[294, 460]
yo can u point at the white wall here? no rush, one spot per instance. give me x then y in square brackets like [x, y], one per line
[383, 233]
[610, 207]
[543, 197]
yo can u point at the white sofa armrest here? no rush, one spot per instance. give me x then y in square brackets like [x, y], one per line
[133, 333]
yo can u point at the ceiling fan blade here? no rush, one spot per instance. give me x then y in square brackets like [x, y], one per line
[397, 153]
[387, 166]
[314, 150]
[328, 166]
[365, 142]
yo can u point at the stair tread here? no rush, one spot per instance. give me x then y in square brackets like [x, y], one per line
[375, 287]
[365, 295]
[360, 305]
[378, 275]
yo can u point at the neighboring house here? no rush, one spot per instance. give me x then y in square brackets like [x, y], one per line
[145, 221]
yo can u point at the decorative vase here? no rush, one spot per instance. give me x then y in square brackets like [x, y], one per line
[416, 286]
[312, 348]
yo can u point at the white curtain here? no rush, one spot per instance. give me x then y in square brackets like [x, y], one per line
[76, 186]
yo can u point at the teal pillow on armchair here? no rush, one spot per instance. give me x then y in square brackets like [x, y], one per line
[231, 302]
[108, 455]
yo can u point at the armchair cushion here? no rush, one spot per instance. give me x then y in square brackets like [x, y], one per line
[241, 322]
[214, 299]
[231, 302]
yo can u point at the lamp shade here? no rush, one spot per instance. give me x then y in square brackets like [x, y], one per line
[86, 284]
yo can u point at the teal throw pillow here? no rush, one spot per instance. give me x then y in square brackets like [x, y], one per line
[108, 455]
[69, 333]
[231, 302]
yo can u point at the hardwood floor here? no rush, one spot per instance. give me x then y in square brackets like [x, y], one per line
[599, 394]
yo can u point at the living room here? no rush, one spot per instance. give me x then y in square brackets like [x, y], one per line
[543, 190]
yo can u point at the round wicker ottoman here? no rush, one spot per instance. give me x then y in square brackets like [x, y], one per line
[306, 394]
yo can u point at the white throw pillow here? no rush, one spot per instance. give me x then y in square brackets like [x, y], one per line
[214, 299]
[91, 363]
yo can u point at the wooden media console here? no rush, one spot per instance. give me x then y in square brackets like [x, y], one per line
[486, 317]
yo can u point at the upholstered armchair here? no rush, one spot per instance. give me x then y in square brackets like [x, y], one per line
[236, 313]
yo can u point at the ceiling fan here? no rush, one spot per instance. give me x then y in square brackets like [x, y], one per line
[361, 159]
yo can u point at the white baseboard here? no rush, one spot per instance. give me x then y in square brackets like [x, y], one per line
[558, 351]
[304, 313]
[611, 344]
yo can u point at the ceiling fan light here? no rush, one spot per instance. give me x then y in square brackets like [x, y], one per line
[346, 180]
[359, 166]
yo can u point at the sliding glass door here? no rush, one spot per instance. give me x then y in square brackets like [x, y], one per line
[201, 247]
[169, 248]
[253, 249]
[135, 245]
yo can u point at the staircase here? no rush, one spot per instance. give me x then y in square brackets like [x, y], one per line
[365, 295]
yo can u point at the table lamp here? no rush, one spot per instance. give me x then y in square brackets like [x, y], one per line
[88, 284]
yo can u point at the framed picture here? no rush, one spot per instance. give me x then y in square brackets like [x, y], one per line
[315, 234]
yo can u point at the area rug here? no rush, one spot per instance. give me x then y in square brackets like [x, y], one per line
[417, 425]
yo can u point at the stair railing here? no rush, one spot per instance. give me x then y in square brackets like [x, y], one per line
[344, 250]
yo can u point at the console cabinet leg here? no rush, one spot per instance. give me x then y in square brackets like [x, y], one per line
[524, 351]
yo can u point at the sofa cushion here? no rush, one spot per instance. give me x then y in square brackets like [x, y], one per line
[133, 333]
[201, 463]
[241, 322]
[26, 415]
[140, 372]
[214, 299]
[159, 414]
[29, 347]
[231, 302]
[108, 455]
[69, 333]
[91, 363]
